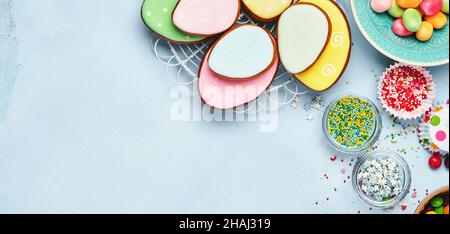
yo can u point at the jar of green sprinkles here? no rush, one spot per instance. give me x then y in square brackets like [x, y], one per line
[352, 124]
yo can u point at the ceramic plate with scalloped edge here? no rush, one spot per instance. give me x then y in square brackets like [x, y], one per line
[376, 28]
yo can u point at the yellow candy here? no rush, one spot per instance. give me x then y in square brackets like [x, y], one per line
[425, 32]
[438, 21]
[405, 4]
[431, 212]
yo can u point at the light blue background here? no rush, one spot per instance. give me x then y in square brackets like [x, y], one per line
[88, 128]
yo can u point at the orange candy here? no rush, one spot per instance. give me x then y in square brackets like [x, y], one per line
[438, 21]
[405, 4]
[446, 210]
[425, 32]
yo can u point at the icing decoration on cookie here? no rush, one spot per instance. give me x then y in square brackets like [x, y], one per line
[243, 52]
[266, 10]
[206, 17]
[330, 66]
[157, 15]
[303, 32]
[229, 93]
[434, 129]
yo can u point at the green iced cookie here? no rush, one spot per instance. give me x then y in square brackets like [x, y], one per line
[157, 15]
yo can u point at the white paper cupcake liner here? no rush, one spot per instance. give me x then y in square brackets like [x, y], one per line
[418, 112]
[424, 132]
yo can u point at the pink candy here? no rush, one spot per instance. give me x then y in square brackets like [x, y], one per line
[431, 7]
[399, 29]
[381, 6]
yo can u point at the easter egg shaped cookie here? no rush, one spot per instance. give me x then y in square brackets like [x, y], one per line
[157, 15]
[243, 52]
[266, 10]
[206, 17]
[223, 93]
[303, 32]
[331, 64]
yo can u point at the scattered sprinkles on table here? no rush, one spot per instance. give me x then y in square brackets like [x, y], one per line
[351, 122]
[380, 179]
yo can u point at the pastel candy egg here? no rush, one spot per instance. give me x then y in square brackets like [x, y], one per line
[405, 4]
[303, 32]
[242, 52]
[395, 10]
[425, 32]
[431, 7]
[445, 6]
[380, 6]
[399, 29]
[438, 21]
[205, 17]
[412, 20]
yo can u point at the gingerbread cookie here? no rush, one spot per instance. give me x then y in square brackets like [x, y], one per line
[331, 64]
[157, 15]
[229, 93]
[243, 52]
[266, 10]
[206, 17]
[303, 33]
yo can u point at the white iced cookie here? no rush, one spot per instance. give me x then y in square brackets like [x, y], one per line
[303, 32]
[243, 52]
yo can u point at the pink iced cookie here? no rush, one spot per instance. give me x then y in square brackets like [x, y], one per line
[223, 93]
[205, 17]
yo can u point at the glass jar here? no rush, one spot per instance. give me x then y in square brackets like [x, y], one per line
[335, 124]
[404, 178]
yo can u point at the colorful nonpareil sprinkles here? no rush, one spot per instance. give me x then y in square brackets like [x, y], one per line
[351, 122]
[404, 88]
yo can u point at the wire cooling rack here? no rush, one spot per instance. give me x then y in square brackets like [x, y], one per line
[183, 61]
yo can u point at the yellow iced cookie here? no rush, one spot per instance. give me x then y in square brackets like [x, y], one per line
[330, 66]
[266, 10]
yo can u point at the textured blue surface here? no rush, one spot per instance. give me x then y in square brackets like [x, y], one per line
[88, 129]
[378, 28]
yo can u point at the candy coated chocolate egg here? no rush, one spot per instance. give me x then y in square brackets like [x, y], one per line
[380, 6]
[431, 212]
[405, 4]
[431, 7]
[395, 10]
[445, 6]
[438, 21]
[437, 202]
[412, 20]
[399, 29]
[425, 32]
[439, 210]
[435, 162]
[446, 210]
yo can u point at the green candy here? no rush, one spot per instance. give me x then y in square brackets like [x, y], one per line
[439, 210]
[412, 20]
[437, 202]
[395, 10]
[157, 15]
[445, 7]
